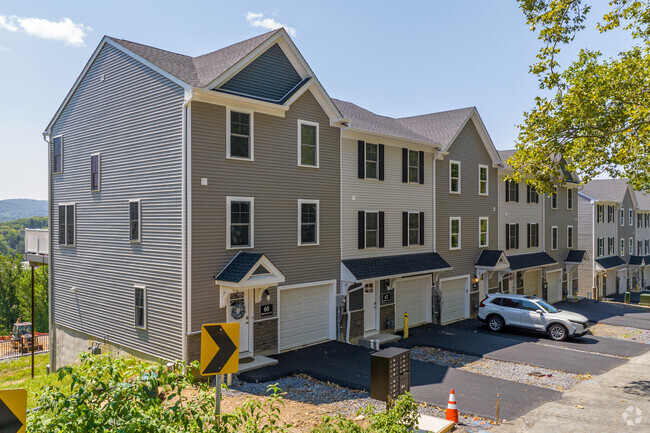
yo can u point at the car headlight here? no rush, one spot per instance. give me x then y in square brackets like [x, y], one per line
[583, 324]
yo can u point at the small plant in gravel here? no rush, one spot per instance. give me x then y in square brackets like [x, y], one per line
[402, 417]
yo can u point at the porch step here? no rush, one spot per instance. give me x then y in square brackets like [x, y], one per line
[257, 362]
[377, 340]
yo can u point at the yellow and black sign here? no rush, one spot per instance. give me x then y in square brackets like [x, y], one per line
[13, 411]
[219, 349]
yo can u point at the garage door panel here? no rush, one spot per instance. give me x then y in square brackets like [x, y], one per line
[412, 297]
[553, 281]
[452, 307]
[304, 316]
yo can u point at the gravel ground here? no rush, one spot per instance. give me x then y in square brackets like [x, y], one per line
[333, 399]
[621, 332]
[522, 373]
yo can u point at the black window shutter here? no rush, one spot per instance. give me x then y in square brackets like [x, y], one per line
[517, 235]
[421, 228]
[381, 229]
[507, 236]
[362, 229]
[405, 165]
[381, 162]
[507, 190]
[421, 167]
[362, 159]
[517, 192]
[528, 234]
[405, 229]
[527, 193]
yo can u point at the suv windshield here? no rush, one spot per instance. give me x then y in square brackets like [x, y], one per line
[548, 307]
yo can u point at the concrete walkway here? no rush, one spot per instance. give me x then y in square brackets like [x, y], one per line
[617, 401]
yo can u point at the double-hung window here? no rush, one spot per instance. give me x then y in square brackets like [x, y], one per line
[569, 236]
[631, 246]
[454, 177]
[67, 224]
[647, 246]
[95, 161]
[639, 248]
[533, 235]
[554, 199]
[140, 304]
[454, 233]
[531, 194]
[601, 247]
[569, 198]
[610, 246]
[135, 217]
[482, 179]
[414, 228]
[630, 217]
[239, 135]
[622, 250]
[647, 220]
[309, 221]
[57, 154]
[372, 161]
[512, 191]
[639, 220]
[307, 143]
[414, 166]
[600, 213]
[240, 222]
[512, 236]
[610, 214]
[372, 229]
[483, 232]
[622, 217]
[554, 238]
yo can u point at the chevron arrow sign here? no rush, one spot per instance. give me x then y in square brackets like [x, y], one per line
[219, 349]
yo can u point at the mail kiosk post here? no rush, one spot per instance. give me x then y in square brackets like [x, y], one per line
[390, 374]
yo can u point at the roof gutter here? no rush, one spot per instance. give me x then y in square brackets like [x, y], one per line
[394, 137]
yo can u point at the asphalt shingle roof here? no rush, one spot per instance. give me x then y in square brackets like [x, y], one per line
[489, 258]
[387, 266]
[635, 260]
[606, 189]
[530, 260]
[238, 267]
[439, 127]
[196, 71]
[610, 262]
[643, 200]
[575, 256]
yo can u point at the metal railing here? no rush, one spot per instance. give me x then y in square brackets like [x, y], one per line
[17, 348]
[37, 241]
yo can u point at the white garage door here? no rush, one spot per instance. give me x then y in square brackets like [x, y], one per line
[554, 280]
[413, 296]
[531, 279]
[622, 276]
[452, 307]
[305, 315]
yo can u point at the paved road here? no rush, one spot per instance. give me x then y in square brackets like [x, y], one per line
[500, 348]
[349, 366]
[635, 298]
[587, 343]
[610, 313]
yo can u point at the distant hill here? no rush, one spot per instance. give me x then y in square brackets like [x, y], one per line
[13, 209]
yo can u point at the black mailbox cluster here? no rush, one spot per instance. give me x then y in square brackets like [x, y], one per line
[390, 373]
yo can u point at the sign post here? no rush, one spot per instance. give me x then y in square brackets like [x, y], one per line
[219, 354]
[13, 411]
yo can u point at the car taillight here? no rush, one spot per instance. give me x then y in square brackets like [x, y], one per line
[482, 304]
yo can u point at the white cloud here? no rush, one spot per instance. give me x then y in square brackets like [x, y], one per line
[4, 48]
[258, 20]
[65, 30]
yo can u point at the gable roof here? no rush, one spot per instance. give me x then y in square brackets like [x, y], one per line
[610, 262]
[575, 256]
[643, 200]
[491, 258]
[607, 190]
[196, 71]
[439, 127]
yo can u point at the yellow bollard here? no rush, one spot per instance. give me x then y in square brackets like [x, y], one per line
[498, 406]
[406, 325]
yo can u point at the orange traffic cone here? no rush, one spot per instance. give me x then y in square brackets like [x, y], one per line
[452, 409]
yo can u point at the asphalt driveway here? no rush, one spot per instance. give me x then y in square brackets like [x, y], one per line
[349, 366]
[610, 313]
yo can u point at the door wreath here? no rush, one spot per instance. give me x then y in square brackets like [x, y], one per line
[237, 309]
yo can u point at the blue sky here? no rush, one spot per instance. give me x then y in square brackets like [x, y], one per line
[393, 58]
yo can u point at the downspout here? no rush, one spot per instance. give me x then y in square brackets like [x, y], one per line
[185, 250]
[52, 366]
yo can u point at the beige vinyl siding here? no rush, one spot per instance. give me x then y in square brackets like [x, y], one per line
[469, 205]
[276, 183]
[392, 196]
[133, 117]
[627, 231]
[561, 218]
[521, 213]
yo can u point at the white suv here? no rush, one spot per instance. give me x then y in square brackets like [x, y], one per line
[500, 309]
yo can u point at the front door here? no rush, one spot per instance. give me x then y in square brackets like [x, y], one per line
[369, 307]
[239, 311]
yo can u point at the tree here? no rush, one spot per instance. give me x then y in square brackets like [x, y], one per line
[597, 117]
[10, 273]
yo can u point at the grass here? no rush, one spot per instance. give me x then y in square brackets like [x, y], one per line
[17, 373]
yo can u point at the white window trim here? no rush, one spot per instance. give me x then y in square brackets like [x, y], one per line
[631, 246]
[569, 192]
[99, 172]
[365, 161]
[251, 130]
[307, 122]
[557, 192]
[631, 217]
[557, 240]
[317, 203]
[52, 150]
[365, 229]
[251, 200]
[487, 180]
[144, 306]
[487, 231]
[452, 162]
[460, 244]
[569, 239]
[622, 217]
[74, 210]
[139, 202]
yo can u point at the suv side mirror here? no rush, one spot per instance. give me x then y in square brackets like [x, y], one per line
[539, 312]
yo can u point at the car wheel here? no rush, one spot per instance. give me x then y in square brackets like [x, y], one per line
[557, 332]
[496, 323]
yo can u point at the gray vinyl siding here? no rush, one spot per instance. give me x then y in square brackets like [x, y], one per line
[134, 119]
[276, 183]
[391, 196]
[586, 221]
[562, 218]
[270, 76]
[469, 149]
[627, 231]
[521, 213]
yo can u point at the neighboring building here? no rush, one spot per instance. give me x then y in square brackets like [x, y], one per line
[194, 190]
[606, 231]
[465, 204]
[642, 237]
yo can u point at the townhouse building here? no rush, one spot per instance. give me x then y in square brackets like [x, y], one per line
[606, 231]
[642, 236]
[190, 190]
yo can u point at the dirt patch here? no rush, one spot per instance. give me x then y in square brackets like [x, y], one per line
[621, 332]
